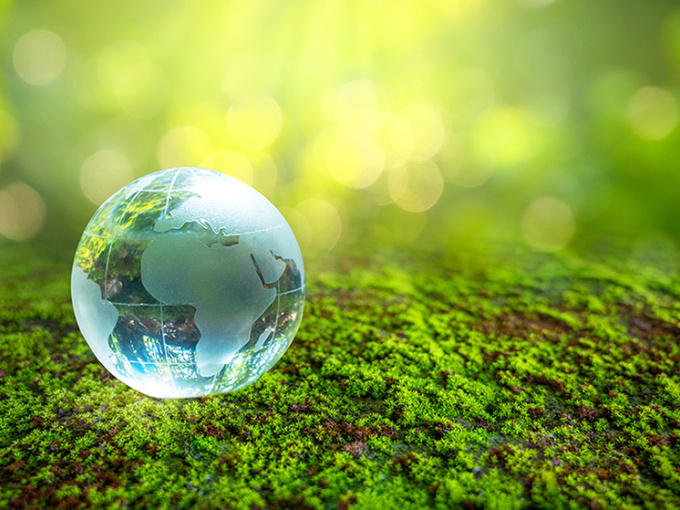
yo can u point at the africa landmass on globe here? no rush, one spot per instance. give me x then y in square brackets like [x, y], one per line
[187, 283]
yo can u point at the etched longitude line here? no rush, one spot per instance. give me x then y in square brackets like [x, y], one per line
[278, 309]
[214, 382]
[165, 345]
[113, 238]
[132, 200]
[167, 199]
[106, 269]
[165, 350]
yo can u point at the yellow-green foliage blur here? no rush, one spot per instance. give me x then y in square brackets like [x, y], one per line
[549, 122]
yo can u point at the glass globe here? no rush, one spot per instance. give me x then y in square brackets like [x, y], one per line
[188, 282]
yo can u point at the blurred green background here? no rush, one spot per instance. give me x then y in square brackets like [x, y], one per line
[433, 123]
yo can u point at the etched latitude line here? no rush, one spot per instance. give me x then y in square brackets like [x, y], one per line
[291, 291]
[136, 304]
[95, 235]
[154, 364]
[221, 231]
[257, 231]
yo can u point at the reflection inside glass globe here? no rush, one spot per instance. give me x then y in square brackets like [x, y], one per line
[188, 282]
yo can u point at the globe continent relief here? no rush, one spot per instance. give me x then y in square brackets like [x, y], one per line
[188, 282]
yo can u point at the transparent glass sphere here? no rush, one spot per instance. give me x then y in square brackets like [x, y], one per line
[188, 282]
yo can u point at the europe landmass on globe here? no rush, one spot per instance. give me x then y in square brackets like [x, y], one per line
[180, 295]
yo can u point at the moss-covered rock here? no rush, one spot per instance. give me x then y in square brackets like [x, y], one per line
[510, 380]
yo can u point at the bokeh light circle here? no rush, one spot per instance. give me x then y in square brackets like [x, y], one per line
[9, 134]
[472, 95]
[141, 90]
[652, 113]
[317, 222]
[254, 124]
[351, 103]
[503, 138]
[416, 186]
[183, 146]
[548, 224]
[355, 159]
[39, 57]
[535, 4]
[427, 129]
[22, 212]
[232, 163]
[104, 173]
[395, 137]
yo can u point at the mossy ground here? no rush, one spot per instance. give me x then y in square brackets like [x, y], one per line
[484, 381]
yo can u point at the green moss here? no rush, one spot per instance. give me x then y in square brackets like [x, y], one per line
[506, 380]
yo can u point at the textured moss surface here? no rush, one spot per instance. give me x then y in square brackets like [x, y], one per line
[477, 381]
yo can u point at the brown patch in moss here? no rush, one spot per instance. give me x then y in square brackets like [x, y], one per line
[345, 429]
[404, 463]
[14, 466]
[587, 413]
[357, 448]
[210, 430]
[537, 412]
[647, 327]
[285, 504]
[657, 440]
[468, 504]
[521, 324]
[555, 384]
[109, 475]
[346, 501]
[228, 462]
[498, 455]
[302, 408]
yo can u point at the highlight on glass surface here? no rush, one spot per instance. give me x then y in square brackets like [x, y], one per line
[188, 282]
